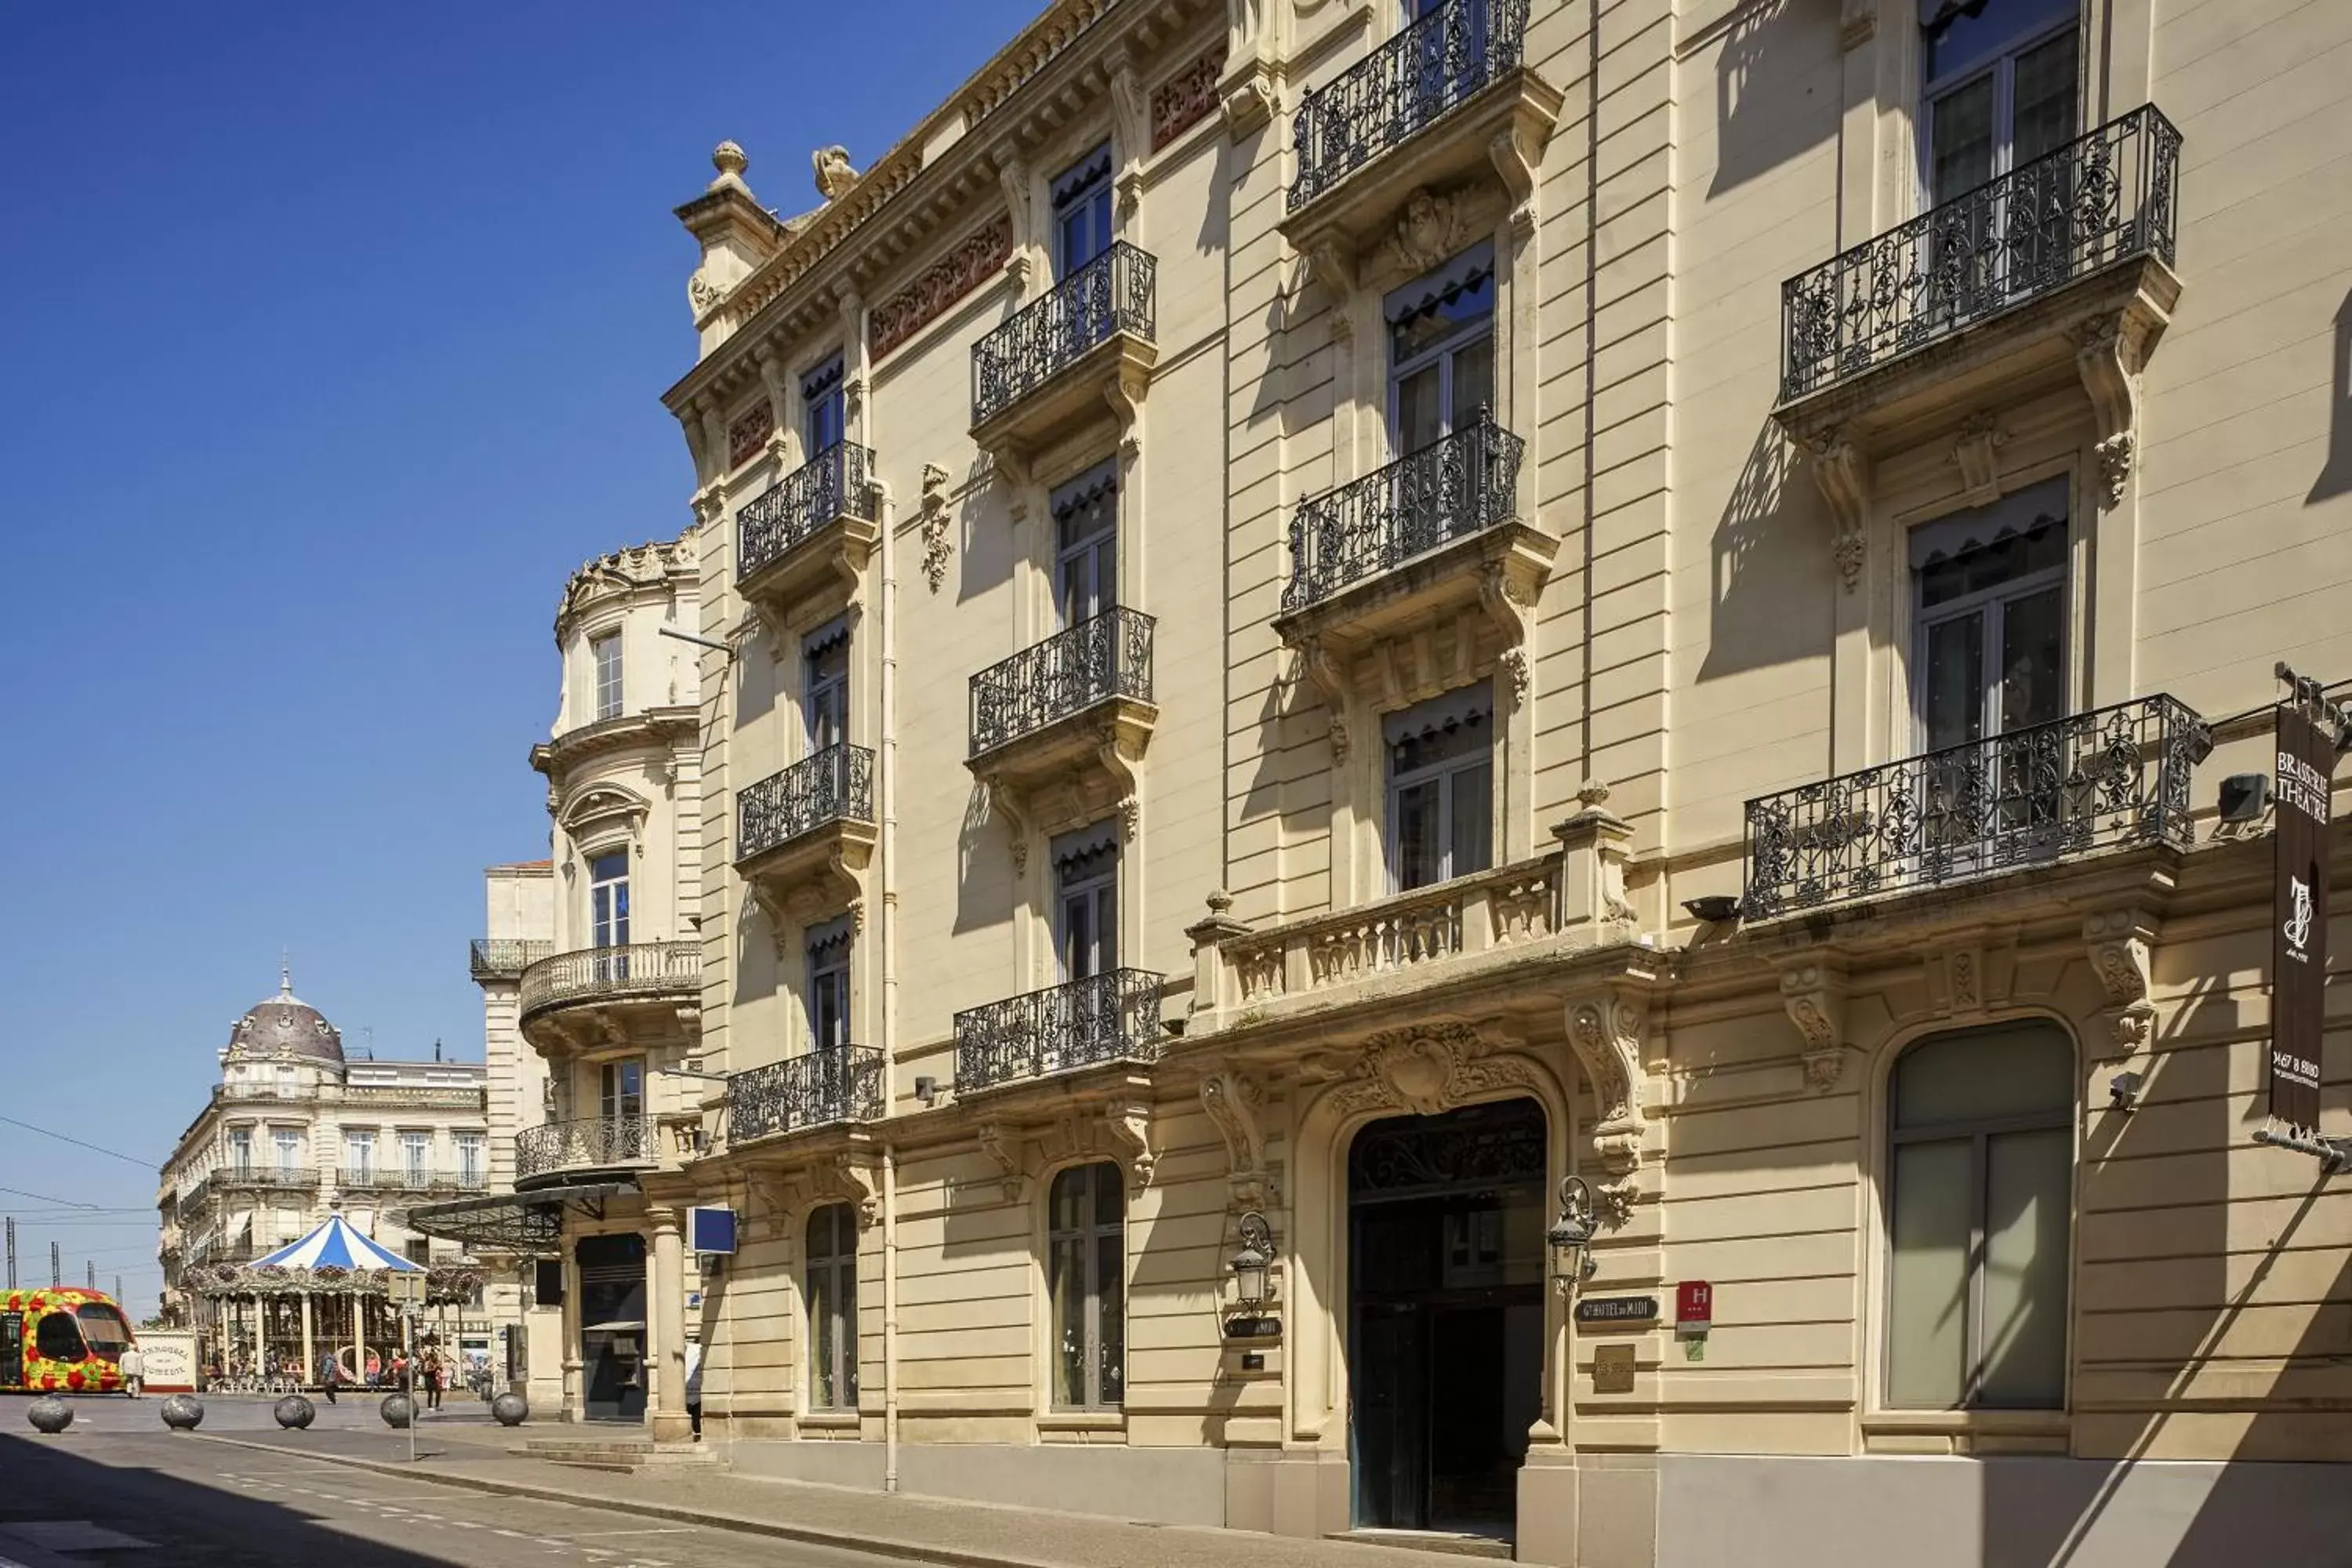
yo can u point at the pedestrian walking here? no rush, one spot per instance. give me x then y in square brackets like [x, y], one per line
[432, 1370]
[133, 1368]
[694, 1387]
[330, 1372]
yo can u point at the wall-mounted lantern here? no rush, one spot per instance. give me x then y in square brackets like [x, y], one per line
[1571, 1237]
[1253, 1268]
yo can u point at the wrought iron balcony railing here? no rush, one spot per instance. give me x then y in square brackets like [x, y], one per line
[1112, 293]
[1460, 485]
[825, 1085]
[1437, 64]
[505, 958]
[1101, 658]
[832, 785]
[595, 1143]
[598, 974]
[2110, 777]
[2103, 197]
[1108, 1017]
[401, 1178]
[836, 482]
[293, 1179]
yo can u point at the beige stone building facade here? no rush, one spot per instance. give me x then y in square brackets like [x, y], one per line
[1337, 613]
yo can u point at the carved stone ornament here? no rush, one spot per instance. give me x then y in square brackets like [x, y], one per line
[1012, 1154]
[976, 259]
[703, 294]
[847, 1177]
[1606, 1033]
[1843, 476]
[1977, 454]
[835, 173]
[2120, 944]
[1233, 1101]
[936, 524]
[1127, 1128]
[1814, 996]
[2115, 456]
[1186, 99]
[1514, 662]
[1430, 227]
[1427, 1069]
[2108, 355]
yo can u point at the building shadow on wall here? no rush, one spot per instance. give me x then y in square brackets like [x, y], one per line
[1770, 552]
[2335, 477]
[1775, 57]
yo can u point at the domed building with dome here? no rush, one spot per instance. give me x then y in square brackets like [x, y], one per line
[299, 1127]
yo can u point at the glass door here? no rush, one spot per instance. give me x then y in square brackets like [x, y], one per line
[608, 913]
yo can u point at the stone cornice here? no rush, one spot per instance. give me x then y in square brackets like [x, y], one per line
[655, 726]
[658, 569]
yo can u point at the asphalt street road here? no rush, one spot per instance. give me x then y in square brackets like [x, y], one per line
[115, 1491]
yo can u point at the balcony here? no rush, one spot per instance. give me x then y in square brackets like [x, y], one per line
[560, 1150]
[2108, 779]
[1445, 98]
[1057, 727]
[810, 532]
[384, 1179]
[1402, 548]
[1085, 348]
[1108, 1018]
[504, 958]
[266, 1178]
[646, 993]
[1996, 289]
[805, 833]
[818, 1090]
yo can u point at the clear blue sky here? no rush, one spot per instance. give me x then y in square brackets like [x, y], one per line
[330, 341]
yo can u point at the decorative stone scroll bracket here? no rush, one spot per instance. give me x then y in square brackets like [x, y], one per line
[848, 1176]
[1118, 1130]
[1014, 1156]
[2108, 355]
[1233, 1101]
[1321, 668]
[1606, 1029]
[1813, 993]
[1843, 475]
[1509, 603]
[2120, 944]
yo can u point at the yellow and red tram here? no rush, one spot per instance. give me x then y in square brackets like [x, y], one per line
[61, 1339]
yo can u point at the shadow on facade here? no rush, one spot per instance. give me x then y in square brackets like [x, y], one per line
[1770, 551]
[58, 1478]
[2335, 477]
[1767, 74]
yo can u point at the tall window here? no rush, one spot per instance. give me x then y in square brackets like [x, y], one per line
[1086, 900]
[608, 898]
[621, 1090]
[1991, 586]
[288, 1144]
[359, 1156]
[1999, 88]
[1086, 544]
[828, 985]
[825, 410]
[1087, 1223]
[1981, 1183]
[1442, 351]
[824, 665]
[287, 1087]
[1082, 216]
[1441, 767]
[240, 1151]
[415, 1157]
[605, 655]
[831, 1288]
[472, 1159]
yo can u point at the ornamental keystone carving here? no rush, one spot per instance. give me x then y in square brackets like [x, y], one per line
[1430, 227]
[847, 1177]
[2120, 944]
[1814, 996]
[1977, 454]
[1233, 1101]
[1427, 1069]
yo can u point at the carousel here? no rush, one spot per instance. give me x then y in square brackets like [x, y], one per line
[274, 1319]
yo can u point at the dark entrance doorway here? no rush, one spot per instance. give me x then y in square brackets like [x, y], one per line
[613, 1326]
[1445, 1338]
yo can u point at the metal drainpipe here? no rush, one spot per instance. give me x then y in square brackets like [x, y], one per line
[886, 933]
[889, 1318]
[1591, 375]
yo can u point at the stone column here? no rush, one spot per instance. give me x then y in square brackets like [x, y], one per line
[575, 1398]
[665, 1328]
[309, 1343]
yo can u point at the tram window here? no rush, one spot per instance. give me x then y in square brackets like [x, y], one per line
[105, 1328]
[58, 1339]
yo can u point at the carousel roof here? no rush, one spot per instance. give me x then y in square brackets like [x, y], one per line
[337, 1245]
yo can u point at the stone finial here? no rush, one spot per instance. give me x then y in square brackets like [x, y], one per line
[834, 173]
[1220, 901]
[1592, 794]
[728, 159]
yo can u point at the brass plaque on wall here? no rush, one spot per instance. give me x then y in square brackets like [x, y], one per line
[1612, 1369]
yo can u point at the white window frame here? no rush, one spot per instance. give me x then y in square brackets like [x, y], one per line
[472, 1159]
[1394, 784]
[416, 1156]
[1443, 352]
[240, 1150]
[828, 954]
[823, 385]
[1992, 603]
[1096, 890]
[2001, 63]
[1093, 197]
[607, 675]
[613, 920]
[287, 1143]
[359, 1154]
[824, 696]
[1095, 551]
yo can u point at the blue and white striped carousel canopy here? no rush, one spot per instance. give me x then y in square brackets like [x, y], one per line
[336, 1245]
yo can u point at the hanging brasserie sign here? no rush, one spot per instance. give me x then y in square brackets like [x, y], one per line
[2307, 764]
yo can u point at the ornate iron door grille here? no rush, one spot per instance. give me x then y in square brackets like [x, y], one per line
[2102, 198]
[1456, 486]
[1112, 293]
[2109, 777]
[586, 1145]
[811, 1091]
[1437, 64]
[837, 482]
[1112, 1016]
[835, 785]
[1101, 658]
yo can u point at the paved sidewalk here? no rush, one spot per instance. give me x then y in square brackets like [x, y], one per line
[959, 1534]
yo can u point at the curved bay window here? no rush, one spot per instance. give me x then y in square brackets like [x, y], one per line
[1980, 1174]
[831, 1284]
[1086, 1264]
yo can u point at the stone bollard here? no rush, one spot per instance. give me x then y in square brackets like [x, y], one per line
[295, 1413]
[397, 1411]
[49, 1415]
[184, 1413]
[510, 1409]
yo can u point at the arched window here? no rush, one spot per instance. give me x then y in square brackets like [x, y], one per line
[1981, 1185]
[1087, 1263]
[832, 1286]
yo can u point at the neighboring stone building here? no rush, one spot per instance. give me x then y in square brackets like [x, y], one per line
[294, 1130]
[1337, 620]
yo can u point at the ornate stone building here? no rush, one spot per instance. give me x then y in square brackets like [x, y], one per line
[1351, 646]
